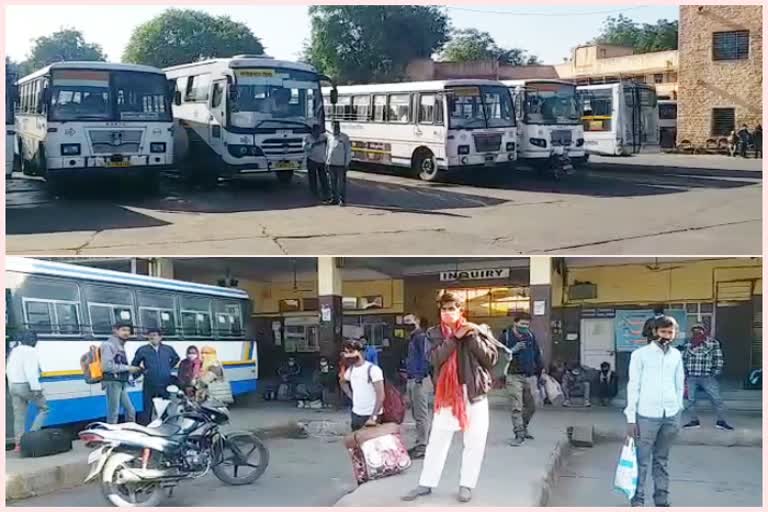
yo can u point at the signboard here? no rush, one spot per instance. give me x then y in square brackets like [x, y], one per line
[469, 275]
[598, 313]
[539, 307]
[629, 327]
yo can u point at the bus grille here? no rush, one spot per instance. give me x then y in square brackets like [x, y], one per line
[561, 137]
[282, 147]
[486, 142]
[108, 142]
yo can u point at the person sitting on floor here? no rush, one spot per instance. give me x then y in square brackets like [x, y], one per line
[576, 382]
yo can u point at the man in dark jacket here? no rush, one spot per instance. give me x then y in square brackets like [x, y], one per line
[744, 139]
[525, 363]
[462, 357]
[156, 361]
[417, 369]
[114, 364]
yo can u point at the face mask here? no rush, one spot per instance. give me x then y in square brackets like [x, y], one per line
[291, 363]
[523, 330]
[351, 357]
[192, 356]
[665, 341]
[450, 317]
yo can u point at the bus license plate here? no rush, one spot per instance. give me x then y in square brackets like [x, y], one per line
[285, 165]
[124, 163]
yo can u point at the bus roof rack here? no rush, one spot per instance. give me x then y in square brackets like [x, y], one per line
[252, 56]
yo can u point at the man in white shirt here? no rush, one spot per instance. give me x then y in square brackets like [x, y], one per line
[338, 159]
[654, 407]
[23, 372]
[363, 382]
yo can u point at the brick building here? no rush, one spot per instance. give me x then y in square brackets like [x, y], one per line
[721, 70]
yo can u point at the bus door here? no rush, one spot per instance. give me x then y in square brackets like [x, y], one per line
[217, 116]
[428, 129]
[632, 125]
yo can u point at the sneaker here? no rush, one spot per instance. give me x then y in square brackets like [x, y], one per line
[567, 403]
[341, 202]
[692, 424]
[528, 436]
[587, 404]
[417, 452]
[722, 425]
[301, 404]
[465, 494]
[417, 493]
[517, 441]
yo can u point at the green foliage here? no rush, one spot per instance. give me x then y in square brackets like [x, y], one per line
[471, 45]
[178, 36]
[644, 38]
[65, 45]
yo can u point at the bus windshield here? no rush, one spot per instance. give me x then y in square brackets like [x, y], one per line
[83, 95]
[597, 106]
[551, 103]
[473, 107]
[281, 97]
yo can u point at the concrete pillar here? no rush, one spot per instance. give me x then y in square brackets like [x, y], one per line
[329, 295]
[161, 267]
[541, 303]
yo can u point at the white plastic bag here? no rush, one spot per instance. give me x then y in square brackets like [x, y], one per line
[553, 389]
[626, 471]
[533, 382]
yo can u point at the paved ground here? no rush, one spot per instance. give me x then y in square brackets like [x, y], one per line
[701, 476]
[648, 204]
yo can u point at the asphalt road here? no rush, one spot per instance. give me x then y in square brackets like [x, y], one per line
[309, 472]
[700, 476]
[643, 205]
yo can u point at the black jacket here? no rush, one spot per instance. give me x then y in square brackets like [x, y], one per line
[157, 364]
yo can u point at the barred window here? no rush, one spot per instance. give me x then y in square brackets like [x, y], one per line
[730, 45]
[723, 121]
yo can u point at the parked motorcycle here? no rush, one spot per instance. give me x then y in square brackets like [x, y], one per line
[138, 466]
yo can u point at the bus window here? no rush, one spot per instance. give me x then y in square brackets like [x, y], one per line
[108, 305]
[598, 110]
[380, 108]
[196, 316]
[361, 107]
[38, 316]
[399, 108]
[667, 111]
[157, 311]
[430, 109]
[50, 305]
[228, 317]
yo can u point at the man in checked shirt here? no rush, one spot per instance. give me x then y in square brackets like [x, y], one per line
[703, 362]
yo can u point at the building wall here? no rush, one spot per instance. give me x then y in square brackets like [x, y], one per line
[427, 69]
[705, 84]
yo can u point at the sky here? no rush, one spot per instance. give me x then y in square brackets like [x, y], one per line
[548, 31]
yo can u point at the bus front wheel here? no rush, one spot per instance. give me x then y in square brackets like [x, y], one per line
[284, 177]
[424, 165]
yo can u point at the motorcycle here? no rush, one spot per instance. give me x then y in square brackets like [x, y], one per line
[138, 466]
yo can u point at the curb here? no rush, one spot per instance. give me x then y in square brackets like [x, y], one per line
[743, 438]
[557, 458]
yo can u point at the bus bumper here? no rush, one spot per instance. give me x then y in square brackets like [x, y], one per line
[90, 172]
[489, 160]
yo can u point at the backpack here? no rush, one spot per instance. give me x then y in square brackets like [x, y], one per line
[394, 405]
[90, 363]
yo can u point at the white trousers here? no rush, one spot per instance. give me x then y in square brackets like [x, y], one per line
[444, 425]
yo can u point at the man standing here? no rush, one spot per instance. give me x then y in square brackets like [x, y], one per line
[417, 371]
[363, 383]
[744, 140]
[316, 148]
[156, 360]
[654, 406]
[23, 372]
[114, 364]
[326, 377]
[525, 363]
[338, 159]
[757, 140]
[648, 331]
[703, 361]
[462, 358]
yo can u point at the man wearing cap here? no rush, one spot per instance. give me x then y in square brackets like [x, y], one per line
[703, 361]
[114, 364]
[23, 372]
[157, 360]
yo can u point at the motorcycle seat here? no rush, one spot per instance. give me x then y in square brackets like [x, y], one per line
[163, 430]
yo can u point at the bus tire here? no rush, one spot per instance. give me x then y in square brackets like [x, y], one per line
[150, 183]
[284, 177]
[424, 165]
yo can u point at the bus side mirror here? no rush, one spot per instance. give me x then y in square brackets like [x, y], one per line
[334, 95]
[177, 98]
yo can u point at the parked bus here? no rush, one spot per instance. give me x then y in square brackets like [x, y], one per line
[429, 127]
[667, 123]
[73, 307]
[549, 122]
[94, 118]
[10, 129]
[620, 118]
[245, 115]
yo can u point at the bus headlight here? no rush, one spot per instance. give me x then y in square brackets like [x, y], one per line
[579, 143]
[542, 143]
[157, 147]
[70, 149]
[464, 150]
[240, 151]
[510, 146]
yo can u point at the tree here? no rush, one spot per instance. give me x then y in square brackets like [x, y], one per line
[368, 43]
[66, 44]
[178, 36]
[643, 38]
[471, 44]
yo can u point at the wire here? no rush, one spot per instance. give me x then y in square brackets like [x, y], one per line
[592, 13]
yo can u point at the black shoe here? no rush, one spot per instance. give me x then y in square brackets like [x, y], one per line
[417, 452]
[722, 425]
[636, 504]
[692, 424]
[417, 493]
[662, 505]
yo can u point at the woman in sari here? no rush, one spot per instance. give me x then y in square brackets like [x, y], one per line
[212, 383]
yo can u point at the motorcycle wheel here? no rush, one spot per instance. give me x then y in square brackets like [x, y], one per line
[127, 495]
[241, 450]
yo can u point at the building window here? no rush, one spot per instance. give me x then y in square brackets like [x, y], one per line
[723, 121]
[658, 78]
[730, 45]
[497, 301]
[697, 313]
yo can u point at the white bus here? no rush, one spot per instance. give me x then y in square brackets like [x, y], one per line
[620, 118]
[429, 127]
[549, 121]
[94, 118]
[10, 129]
[73, 307]
[245, 115]
[668, 123]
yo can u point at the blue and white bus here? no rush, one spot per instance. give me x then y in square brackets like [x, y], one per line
[73, 307]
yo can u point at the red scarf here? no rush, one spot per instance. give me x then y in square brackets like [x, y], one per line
[449, 392]
[698, 340]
